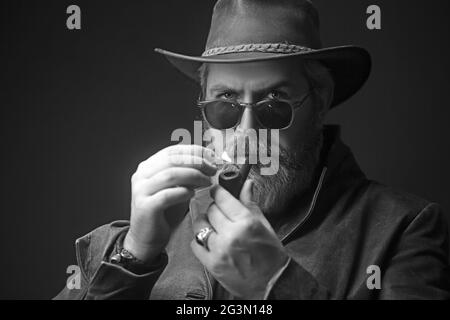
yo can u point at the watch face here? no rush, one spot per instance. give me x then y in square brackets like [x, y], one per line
[115, 259]
[126, 255]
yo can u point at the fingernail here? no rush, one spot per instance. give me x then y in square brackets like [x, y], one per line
[212, 164]
[210, 153]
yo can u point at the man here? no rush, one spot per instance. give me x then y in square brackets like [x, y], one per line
[312, 230]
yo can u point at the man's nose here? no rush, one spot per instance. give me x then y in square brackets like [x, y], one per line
[248, 120]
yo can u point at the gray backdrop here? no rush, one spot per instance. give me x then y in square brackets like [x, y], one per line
[80, 110]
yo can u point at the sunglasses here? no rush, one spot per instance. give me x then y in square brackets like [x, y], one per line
[270, 113]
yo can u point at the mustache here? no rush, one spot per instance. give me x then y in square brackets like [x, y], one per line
[243, 145]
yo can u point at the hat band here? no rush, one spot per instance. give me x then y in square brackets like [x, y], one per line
[257, 47]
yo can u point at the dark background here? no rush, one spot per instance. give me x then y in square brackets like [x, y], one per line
[81, 109]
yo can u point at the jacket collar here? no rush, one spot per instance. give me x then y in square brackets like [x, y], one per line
[336, 167]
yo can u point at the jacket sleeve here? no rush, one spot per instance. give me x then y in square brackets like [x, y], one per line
[100, 279]
[419, 267]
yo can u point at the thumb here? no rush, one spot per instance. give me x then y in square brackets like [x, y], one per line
[246, 195]
[246, 198]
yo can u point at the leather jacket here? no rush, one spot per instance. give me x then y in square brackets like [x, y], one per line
[335, 234]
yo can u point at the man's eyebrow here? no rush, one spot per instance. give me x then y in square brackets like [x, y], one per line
[221, 87]
[279, 84]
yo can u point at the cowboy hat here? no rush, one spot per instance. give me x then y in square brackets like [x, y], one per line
[257, 30]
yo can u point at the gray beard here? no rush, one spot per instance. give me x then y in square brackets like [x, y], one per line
[274, 193]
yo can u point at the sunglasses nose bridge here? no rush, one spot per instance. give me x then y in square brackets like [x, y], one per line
[248, 117]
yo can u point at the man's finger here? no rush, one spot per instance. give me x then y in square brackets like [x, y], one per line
[229, 205]
[148, 169]
[201, 222]
[202, 164]
[168, 197]
[246, 195]
[171, 177]
[218, 219]
[190, 149]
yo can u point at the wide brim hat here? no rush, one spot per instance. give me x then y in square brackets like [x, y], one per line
[244, 31]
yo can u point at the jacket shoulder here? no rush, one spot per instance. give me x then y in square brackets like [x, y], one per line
[396, 203]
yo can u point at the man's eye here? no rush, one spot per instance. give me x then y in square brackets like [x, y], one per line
[275, 94]
[226, 95]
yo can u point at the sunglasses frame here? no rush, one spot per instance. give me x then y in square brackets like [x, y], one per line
[202, 104]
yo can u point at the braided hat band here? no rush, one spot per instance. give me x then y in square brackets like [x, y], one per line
[257, 47]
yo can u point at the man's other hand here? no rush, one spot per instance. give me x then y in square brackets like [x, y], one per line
[164, 180]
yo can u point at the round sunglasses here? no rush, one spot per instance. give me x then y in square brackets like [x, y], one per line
[270, 113]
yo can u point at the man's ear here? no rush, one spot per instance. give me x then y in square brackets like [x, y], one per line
[325, 95]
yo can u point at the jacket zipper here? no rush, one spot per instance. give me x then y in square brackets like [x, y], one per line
[311, 207]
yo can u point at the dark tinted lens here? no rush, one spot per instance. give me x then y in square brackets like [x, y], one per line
[274, 114]
[222, 114]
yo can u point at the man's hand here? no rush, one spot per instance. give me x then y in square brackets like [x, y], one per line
[164, 180]
[244, 251]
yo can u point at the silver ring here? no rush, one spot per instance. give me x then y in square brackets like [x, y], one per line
[202, 237]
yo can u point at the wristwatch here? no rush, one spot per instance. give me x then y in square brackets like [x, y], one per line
[124, 258]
